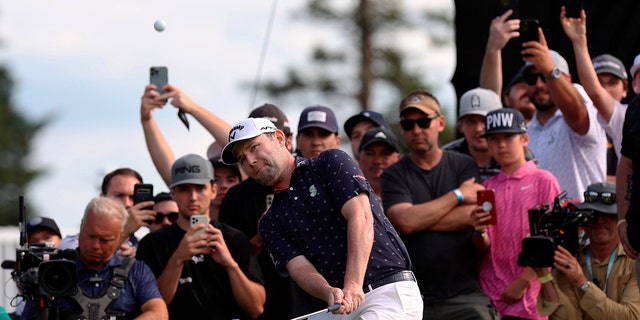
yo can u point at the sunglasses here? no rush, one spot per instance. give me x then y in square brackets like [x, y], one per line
[172, 216]
[607, 198]
[532, 78]
[424, 123]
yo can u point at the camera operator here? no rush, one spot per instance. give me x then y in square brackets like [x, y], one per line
[101, 230]
[39, 230]
[601, 283]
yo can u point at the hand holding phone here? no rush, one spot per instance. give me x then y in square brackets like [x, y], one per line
[486, 200]
[143, 192]
[197, 219]
[160, 77]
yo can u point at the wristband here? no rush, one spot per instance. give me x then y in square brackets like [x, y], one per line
[546, 278]
[458, 194]
[621, 221]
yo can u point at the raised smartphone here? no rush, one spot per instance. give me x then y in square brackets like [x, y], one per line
[159, 76]
[143, 192]
[487, 200]
[199, 218]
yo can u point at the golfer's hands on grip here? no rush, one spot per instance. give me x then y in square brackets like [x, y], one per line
[350, 298]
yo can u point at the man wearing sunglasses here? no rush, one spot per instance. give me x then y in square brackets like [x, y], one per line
[564, 133]
[166, 210]
[601, 282]
[428, 196]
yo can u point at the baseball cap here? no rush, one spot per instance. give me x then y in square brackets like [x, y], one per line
[365, 115]
[504, 120]
[559, 61]
[243, 130]
[517, 78]
[635, 66]
[596, 190]
[37, 223]
[273, 114]
[606, 63]
[318, 117]
[478, 101]
[376, 135]
[216, 162]
[420, 101]
[191, 169]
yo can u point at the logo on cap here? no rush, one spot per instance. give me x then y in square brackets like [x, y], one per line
[232, 133]
[499, 120]
[475, 101]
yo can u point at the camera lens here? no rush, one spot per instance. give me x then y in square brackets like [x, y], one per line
[57, 278]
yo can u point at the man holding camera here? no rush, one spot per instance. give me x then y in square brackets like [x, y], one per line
[108, 285]
[601, 283]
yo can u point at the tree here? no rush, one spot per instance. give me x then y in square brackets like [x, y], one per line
[368, 62]
[16, 137]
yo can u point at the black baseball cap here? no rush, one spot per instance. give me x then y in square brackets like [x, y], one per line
[365, 115]
[37, 223]
[379, 135]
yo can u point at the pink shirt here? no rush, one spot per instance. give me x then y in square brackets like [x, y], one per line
[528, 187]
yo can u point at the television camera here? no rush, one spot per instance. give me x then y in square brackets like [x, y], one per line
[40, 272]
[559, 224]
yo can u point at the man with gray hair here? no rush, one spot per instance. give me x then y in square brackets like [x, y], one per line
[100, 271]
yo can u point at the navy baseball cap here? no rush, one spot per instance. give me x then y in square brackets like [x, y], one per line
[365, 115]
[318, 117]
[379, 135]
[504, 120]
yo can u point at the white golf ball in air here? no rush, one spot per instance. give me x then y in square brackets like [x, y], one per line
[159, 25]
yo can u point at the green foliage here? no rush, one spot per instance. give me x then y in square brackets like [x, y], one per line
[16, 136]
[365, 57]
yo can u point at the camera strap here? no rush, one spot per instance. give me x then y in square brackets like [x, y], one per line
[612, 260]
[91, 307]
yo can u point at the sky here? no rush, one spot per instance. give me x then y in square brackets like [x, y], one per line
[83, 66]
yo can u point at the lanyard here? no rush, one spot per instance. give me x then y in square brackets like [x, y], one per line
[612, 259]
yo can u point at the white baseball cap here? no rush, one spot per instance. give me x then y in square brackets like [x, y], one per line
[479, 101]
[243, 130]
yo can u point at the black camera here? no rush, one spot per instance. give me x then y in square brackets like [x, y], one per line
[550, 227]
[40, 271]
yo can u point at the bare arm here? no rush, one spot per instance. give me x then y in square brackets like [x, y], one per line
[624, 176]
[564, 95]
[154, 309]
[159, 150]
[218, 128]
[312, 282]
[500, 32]
[441, 214]
[576, 30]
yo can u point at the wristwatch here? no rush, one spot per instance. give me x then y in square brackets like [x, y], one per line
[585, 286]
[555, 74]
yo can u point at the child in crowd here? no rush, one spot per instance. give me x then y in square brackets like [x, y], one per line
[519, 186]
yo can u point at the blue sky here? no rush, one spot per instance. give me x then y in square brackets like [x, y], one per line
[84, 64]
